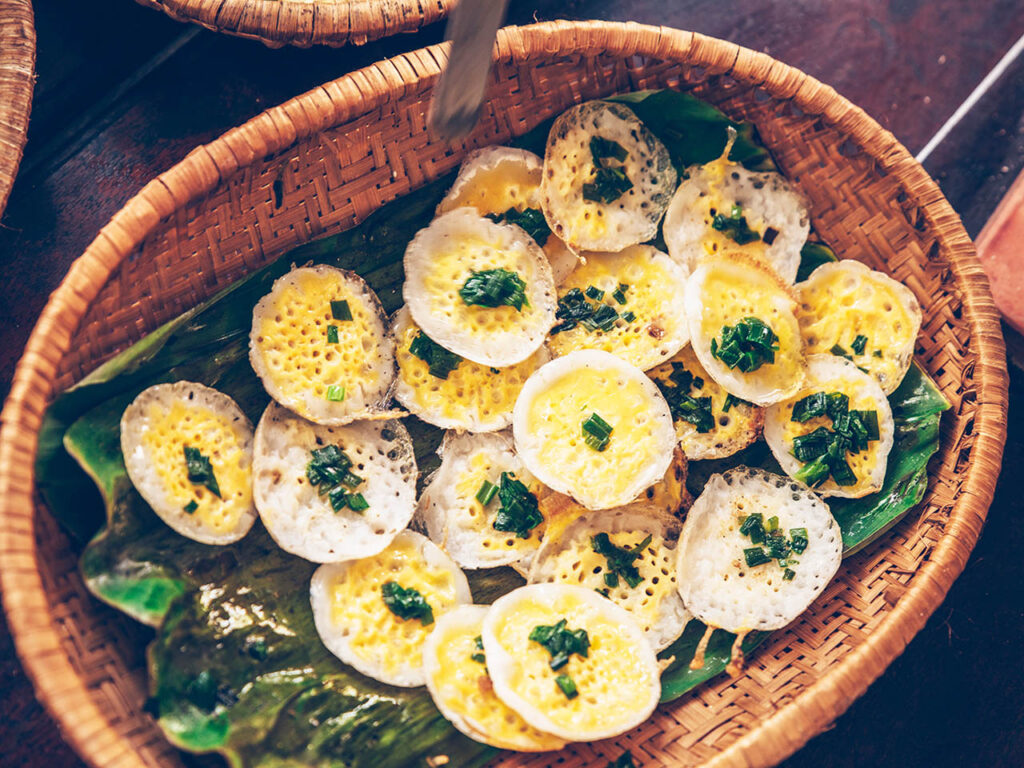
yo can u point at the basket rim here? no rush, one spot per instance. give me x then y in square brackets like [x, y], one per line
[37, 641]
[17, 80]
[304, 23]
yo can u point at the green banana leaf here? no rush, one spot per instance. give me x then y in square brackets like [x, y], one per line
[236, 666]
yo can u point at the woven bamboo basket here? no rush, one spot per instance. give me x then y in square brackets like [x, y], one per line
[17, 77]
[342, 150]
[306, 22]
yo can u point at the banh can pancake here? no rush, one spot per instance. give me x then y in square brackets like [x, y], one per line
[319, 344]
[607, 178]
[188, 451]
[835, 434]
[570, 662]
[743, 328]
[480, 289]
[593, 427]
[333, 493]
[376, 613]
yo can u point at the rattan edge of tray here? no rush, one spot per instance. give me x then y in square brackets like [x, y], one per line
[37, 642]
[305, 23]
[17, 79]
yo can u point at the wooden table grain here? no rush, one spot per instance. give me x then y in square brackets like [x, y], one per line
[124, 93]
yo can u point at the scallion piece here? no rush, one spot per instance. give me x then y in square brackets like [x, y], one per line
[191, 507]
[494, 288]
[798, 539]
[486, 492]
[838, 351]
[629, 317]
[747, 345]
[332, 334]
[440, 361]
[755, 556]
[200, 470]
[858, 344]
[567, 686]
[340, 311]
[596, 432]
[594, 293]
[788, 575]
[730, 401]
[357, 502]
[809, 407]
[336, 393]
[518, 511]
[814, 473]
[773, 524]
[619, 294]
[753, 528]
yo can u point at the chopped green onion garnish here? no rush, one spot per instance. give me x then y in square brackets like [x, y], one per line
[329, 471]
[530, 219]
[877, 353]
[747, 345]
[838, 351]
[340, 311]
[773, 524]
[486, 492]
[478, 656]
[798, 539]
[332, 334]
[735, 225]
[755, 556]
[440, 361]
[494, 288]
[568, 686]
[620, 560]
[335, 393]
[619, 294]
[596, 432]
[357, 502]
[788, 575]
[629, 317]
[407, 603]
[858, 344]
[200, 470]
[594, 293]
[753, 528]
[191, 507]
[809, 407]
[518, 512]
[561, 642]
[814, 473]
[603, 319]
[610, 181]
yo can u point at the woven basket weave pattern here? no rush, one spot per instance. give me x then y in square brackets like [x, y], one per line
[338, 153]
[306, 22]
[17, 78]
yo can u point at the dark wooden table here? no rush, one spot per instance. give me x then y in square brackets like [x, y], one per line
[124, 93]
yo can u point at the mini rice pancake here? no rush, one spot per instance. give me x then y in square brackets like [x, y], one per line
[470, 396]
[460, 252]
[738, 293]
[376, 613]
[715, 580]
[644, 287]
[707, 430]
[827, 374]
[319, 344]
[496, 180]
[607, 179]
[773, 212]
[188, 451]
[601, 551]
[321, 521]
[611, 688]
[593, 427]
[455, 518]
[847, 308]
[456, 674]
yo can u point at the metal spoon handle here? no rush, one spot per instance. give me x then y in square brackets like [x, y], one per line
[460, 91]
